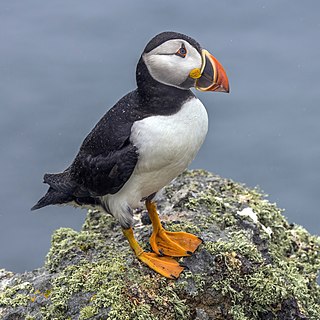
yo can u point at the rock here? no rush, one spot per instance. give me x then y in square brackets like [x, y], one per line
[253, 264]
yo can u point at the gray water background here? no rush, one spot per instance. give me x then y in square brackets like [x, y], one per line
[63, 64]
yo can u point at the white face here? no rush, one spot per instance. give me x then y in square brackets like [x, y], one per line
[170, 68]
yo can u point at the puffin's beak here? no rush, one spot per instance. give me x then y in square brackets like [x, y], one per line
[213, 76]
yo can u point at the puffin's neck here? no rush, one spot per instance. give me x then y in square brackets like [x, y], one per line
[157, 97]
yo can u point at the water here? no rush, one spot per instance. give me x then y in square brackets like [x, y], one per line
[64, 63]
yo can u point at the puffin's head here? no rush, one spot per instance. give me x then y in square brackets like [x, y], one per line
[177, 60]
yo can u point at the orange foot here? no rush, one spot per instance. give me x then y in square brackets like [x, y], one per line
[174, 244]
[166, 266]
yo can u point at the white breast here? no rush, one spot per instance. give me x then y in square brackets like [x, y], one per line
[166, 146]
[167, 142]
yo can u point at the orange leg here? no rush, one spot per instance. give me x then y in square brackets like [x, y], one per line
[174, 244]
[166, 266]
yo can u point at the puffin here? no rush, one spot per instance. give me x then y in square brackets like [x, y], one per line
[142, 143]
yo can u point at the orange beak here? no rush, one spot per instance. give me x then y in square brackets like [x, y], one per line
[213, 76]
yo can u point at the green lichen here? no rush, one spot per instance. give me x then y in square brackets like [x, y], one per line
[237, 242]
[185, 226]
[67, 244]
[87, 312]
[197, 279]
[16, 295]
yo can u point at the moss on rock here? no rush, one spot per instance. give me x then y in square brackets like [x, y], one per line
[253, 264]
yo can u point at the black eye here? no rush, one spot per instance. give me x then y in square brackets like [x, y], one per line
[182, 52]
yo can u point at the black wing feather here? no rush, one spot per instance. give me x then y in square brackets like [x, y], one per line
[105, 173]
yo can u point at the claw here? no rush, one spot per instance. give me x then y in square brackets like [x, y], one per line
[184, 266]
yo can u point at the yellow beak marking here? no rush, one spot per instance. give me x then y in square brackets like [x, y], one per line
[195, 73]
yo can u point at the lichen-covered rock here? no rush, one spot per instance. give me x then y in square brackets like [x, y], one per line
[253, 264]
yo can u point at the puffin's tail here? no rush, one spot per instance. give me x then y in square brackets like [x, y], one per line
[60, 190]
[52, 197]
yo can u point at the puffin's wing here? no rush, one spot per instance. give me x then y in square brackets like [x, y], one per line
[106, 172]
